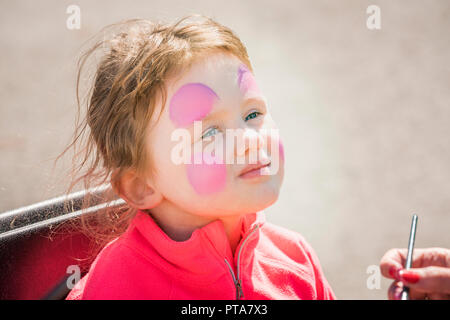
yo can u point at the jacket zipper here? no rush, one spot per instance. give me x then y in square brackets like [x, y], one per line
[236, 280]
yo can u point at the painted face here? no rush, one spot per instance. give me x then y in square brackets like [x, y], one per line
[246, 81]
[191, 102]
[220, 95]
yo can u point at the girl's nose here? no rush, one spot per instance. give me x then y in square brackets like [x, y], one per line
[252, 142]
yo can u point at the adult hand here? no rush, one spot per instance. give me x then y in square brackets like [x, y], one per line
[429, 277]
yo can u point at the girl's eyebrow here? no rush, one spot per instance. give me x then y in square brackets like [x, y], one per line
[255, 98]
[215, 112]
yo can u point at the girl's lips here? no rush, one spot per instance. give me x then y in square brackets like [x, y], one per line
[253, 170]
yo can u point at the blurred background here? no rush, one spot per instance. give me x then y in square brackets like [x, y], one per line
[364, 114]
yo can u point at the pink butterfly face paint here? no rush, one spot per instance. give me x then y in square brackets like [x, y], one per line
[281, 150]
[206, 177]
[192, 102]
[246, 81]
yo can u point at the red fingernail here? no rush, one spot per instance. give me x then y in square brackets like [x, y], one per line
[409, 276]
[393, 272]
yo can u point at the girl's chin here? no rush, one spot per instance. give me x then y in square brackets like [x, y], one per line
[263, 201]
[243, 199]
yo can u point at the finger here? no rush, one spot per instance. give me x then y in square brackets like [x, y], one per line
[395, 290]
[438, 296]
[439, 257]
[392, 262]
[428, 280]
[416, 295]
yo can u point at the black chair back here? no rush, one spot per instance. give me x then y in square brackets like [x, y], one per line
[36, 255]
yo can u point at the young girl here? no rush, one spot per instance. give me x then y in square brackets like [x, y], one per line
[194, 229]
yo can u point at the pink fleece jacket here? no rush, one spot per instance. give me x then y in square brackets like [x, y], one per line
[270, 262]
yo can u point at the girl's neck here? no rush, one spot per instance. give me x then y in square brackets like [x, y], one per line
[179, 225]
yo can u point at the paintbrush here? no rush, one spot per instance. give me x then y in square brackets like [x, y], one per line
[408, 264]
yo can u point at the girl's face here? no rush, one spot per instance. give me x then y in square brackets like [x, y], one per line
[214, 124]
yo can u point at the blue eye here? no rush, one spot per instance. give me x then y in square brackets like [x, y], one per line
[210, 132]
[252, 115]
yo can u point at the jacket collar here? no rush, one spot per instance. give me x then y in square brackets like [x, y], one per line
[199, 256]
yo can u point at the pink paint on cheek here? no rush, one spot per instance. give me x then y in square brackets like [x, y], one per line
[191, 102]
[206, 178]
[281, 149]
[246, 81]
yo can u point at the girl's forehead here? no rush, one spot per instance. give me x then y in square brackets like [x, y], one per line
[218, 71]
[216, 80]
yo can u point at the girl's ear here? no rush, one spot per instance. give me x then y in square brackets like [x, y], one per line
[137, 192]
